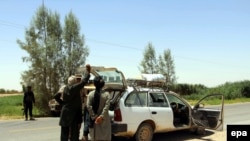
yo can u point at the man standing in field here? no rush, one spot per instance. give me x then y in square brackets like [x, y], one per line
[28, 101]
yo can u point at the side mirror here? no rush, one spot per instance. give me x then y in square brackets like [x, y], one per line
[200, 105]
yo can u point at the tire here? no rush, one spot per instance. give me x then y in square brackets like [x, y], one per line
[55, 114]
[198, 130]
[144, 132]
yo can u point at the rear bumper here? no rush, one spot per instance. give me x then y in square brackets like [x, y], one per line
[55, 108]
[117, 128]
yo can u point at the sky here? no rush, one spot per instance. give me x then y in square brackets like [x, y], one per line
[209, 40]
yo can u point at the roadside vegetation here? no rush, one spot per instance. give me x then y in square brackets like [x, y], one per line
[4, 91]
[12, 107]
[237, 92]
[231, 90]
[234, 92]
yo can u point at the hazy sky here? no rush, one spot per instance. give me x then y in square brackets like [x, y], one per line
[209, 40]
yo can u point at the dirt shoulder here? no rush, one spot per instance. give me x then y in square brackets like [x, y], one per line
[3, 95]
[214, 136]
[186, 135]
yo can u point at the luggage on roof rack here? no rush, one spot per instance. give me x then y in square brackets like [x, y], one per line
[147, 84]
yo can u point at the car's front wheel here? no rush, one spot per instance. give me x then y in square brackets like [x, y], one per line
[144, 132]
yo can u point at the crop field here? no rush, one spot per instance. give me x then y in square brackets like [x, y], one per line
[12, 106]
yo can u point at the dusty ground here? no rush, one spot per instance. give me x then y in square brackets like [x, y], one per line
[215, 136]
[2, 95]
[187, 136]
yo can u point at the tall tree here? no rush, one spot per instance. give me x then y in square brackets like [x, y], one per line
[74, 50]
[39, 54]
[166, 66]
[47, 46]
[149, 63]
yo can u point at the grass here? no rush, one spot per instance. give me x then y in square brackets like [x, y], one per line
[11, 107]
[216, 101]
[237, 100]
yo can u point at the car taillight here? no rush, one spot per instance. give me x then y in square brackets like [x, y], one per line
[117, 115]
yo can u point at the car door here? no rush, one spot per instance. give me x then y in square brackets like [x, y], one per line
[207, 115]
[135, 109]
[160, 111]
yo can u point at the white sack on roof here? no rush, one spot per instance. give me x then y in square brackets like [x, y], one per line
[153, 77]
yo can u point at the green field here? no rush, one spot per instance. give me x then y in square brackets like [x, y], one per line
[216, 102]
[11, 107]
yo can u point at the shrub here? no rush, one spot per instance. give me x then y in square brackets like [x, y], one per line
[246, 91]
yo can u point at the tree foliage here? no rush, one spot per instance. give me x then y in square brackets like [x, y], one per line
[54, 52]
[73, 43]
[231, 90]
[246, 91]
[164, 65]
[149, 63]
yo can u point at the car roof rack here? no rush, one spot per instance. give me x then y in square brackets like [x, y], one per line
[138, 84]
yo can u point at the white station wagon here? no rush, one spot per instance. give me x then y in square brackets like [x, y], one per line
[141, 108]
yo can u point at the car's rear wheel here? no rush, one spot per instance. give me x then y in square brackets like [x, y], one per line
[144, 132]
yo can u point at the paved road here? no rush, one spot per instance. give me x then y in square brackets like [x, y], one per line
[47, 129]
[42, 129]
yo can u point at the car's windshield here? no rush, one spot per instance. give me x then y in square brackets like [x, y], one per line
[175, 99]
[114, 79]
[111, 76]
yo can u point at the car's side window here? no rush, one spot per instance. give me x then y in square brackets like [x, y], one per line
[136, 99]
[157, 100]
